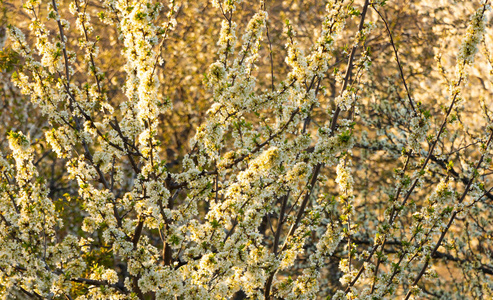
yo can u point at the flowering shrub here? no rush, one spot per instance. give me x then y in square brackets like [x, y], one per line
[246, 150]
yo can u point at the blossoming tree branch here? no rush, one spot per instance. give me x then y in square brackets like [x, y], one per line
[233, 149]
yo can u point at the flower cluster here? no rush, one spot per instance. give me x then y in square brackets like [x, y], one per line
[294, 150]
